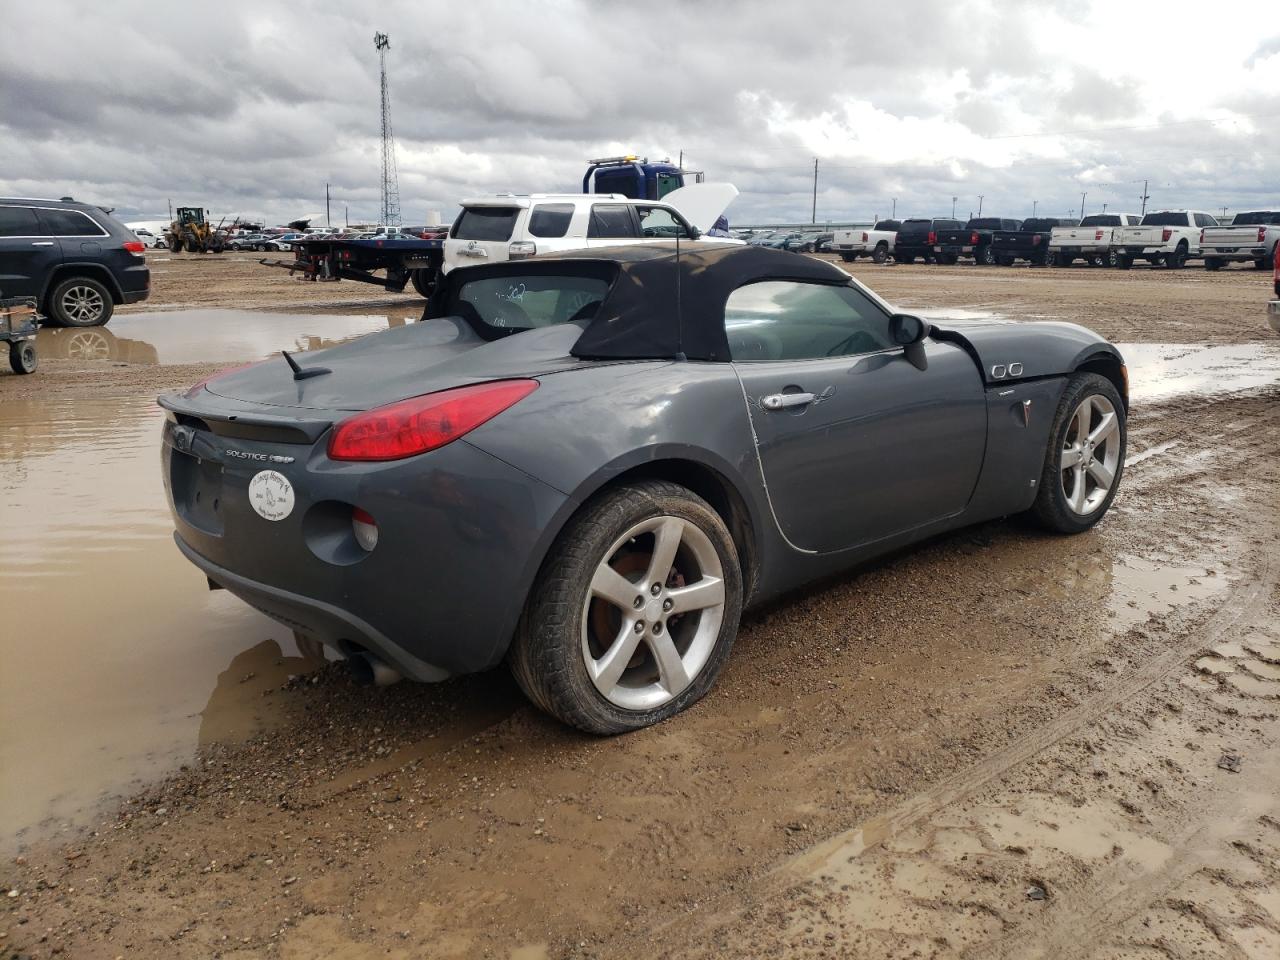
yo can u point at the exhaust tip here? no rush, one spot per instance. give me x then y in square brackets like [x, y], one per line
[370, 671]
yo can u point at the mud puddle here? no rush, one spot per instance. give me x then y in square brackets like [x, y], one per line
[117, 659]
[211, 335]
[1160, 371]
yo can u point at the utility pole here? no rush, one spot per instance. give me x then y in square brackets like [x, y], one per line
[1104, 208]
[894, 214]
[814, 217]
[171, 211]
[680, 162]
[953, 207]
[1082, 196]
[390, 177]
[1034, 204]
[346, 215]
[1144, 198]
[1224, 213]
[327, 221]
[979, 204]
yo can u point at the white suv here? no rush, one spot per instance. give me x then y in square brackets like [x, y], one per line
[511, 226]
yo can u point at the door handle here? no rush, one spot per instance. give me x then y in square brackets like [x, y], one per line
[781, 401]
[42, 243]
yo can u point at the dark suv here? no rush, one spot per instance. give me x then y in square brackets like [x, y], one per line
[76, 260]
[917, 236]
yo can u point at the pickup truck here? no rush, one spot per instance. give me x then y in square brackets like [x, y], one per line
[1170, 237]
[1091, 240]
[1251, 236]
[917, 236]
[1029, 242]
[875, 242]
[971, 240]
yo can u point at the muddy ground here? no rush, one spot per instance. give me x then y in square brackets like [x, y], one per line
[996, 744]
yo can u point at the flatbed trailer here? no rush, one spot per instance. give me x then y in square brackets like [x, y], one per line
[405, 261]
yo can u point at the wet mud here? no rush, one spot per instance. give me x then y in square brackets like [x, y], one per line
[996, 744]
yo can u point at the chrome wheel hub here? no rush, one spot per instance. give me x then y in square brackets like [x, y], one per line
[82, 304]
[1090, 456]
[652, 613]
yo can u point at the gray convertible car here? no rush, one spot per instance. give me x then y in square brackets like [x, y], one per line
[588, 464]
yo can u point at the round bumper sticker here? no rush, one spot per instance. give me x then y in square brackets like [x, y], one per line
[271, 495]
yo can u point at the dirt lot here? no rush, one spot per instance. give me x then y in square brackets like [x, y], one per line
[998, 744]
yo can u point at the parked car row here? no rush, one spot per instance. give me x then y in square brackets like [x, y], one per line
[1166, 238]
[797, 241]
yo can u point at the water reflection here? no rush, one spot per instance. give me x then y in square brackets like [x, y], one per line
[1158, 371]
[111, 644]
[211, 336]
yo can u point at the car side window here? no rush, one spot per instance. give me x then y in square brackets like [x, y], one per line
[793, 320]
[660, 222]
[611, 220]
[70, 223]
[550, 220]
[19, 222]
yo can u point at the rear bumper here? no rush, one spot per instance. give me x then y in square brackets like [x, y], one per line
[953, 249]
[1236, 253]
[135, 296]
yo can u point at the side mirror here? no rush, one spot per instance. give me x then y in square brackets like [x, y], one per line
[909, 332]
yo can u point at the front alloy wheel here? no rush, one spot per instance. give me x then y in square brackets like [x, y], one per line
[634, 611]
[1085, 456]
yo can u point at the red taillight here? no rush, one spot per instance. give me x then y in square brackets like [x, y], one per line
[973, 239]
[414, 426]
[1097, 235]
[1035, 239]
[1165, 235]
[932, 238]
[1202, 237]
[1262, 234]
[865, 238]
[134, 246]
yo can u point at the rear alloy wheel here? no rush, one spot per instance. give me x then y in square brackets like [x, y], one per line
[80, 302]
[1085, 458]
[880, 254]
[634, 611]
[22, 357]
[985, 256]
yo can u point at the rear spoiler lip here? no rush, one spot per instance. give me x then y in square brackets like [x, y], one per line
[237, 418]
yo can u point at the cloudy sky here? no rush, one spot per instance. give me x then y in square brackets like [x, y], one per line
[251, 107]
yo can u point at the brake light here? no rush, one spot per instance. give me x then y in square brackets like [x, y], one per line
[410, 427]
[134, 246]
[1262, 234]
[932, 238]
[1166, 234]
[973, 239]
[865, 238]
[1202, 237]
[1035, 239]
[1097, 235]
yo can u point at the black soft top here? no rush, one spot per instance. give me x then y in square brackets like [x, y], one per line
[654, 288]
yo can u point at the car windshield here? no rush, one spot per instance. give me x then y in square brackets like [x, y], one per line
[515, 302]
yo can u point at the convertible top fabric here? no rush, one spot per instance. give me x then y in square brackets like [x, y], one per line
[663, 303]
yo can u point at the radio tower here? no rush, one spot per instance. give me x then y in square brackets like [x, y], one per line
[390, 179]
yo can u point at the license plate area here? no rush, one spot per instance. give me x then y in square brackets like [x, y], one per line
[197, 491]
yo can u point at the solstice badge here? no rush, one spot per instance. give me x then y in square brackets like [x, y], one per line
[271, 495]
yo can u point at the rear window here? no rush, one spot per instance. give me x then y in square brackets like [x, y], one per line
[550, 219]
[1167, 219]
[947, 225]
[985, 223]
[916, 226]
[1042, 224]
[70, 223]
[1258, 218]
[485, 223]
[19, 222]
[889, 225]
[1101, 220]
[515, 302]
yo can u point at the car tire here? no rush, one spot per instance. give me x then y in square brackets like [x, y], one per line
[848, 257]
[22, 357]
[1124, 263]
[1212, 263]
[1178, 259]
[985, 257]
[1261, 264]
[565, 616]
[1074, 505]
[80, 302]
[424, 280]
[880, 254]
